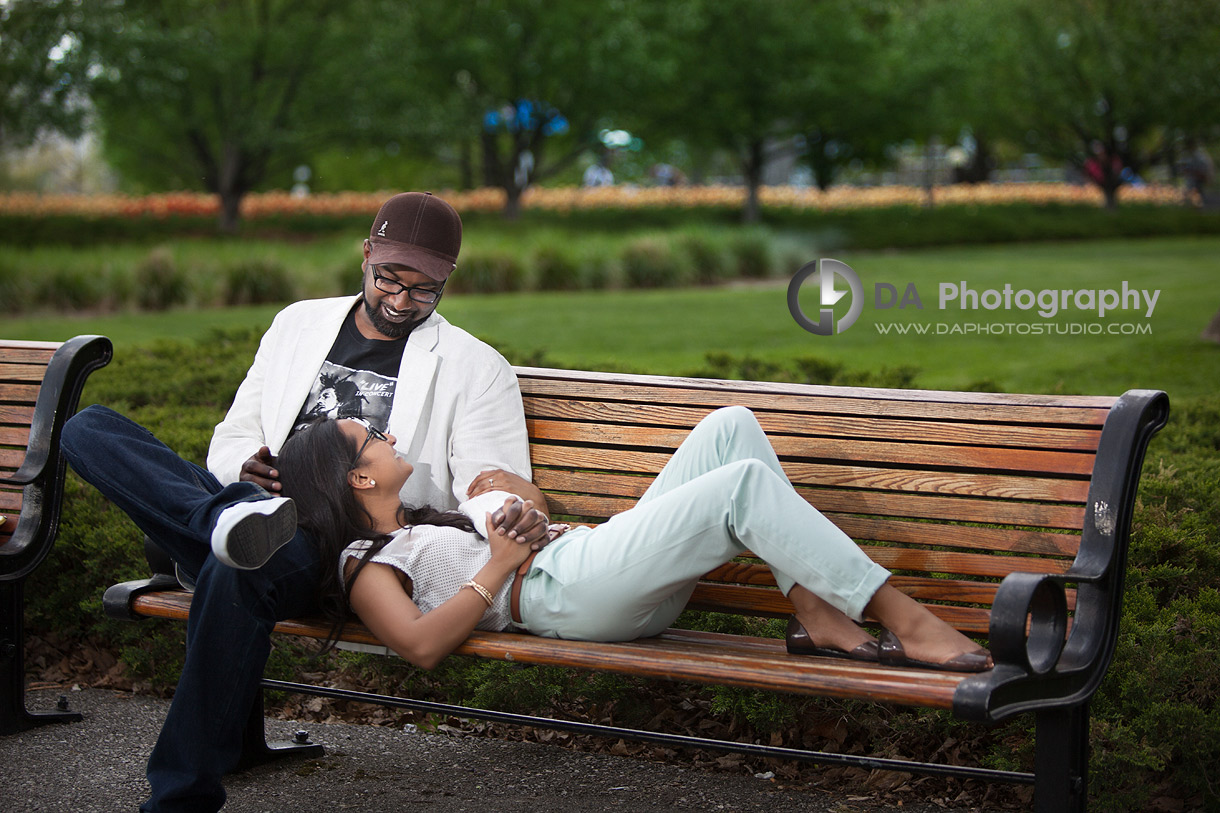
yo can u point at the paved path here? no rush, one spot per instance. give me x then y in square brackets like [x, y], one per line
[98, 765]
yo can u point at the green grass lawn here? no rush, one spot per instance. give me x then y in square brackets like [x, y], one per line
[671, 330]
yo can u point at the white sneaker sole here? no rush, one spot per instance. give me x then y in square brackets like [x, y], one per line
[248, 534]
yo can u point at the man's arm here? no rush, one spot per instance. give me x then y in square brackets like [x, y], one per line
[238, 438]
[489, 433]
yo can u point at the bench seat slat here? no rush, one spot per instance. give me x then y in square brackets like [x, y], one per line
[827, 425]
[675, 655]
[993, 407]
[989, 458]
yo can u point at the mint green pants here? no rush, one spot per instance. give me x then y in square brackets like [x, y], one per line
[722, 492]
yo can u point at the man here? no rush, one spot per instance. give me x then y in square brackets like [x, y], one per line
[451, 401]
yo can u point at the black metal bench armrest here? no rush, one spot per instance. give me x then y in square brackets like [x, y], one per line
[116, 601]
[41, 473]
[1039, 663]
[61, 387]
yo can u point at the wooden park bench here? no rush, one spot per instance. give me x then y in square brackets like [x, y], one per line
[40, 385]
[1009, 515]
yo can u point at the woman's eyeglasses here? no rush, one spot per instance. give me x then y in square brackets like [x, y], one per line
[373, 433]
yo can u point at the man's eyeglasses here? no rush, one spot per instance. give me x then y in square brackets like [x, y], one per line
[424, 296]
[373, 432]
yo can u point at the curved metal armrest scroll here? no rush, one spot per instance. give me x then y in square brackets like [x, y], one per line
[1029, 622]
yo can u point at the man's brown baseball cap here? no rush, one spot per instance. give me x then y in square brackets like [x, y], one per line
[418, 230]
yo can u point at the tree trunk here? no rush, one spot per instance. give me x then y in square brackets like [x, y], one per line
[512, 201]
[230, 211]
[929, 172]
[752, 169]
[231, 186]
[466, 164]
[1211, 333]
[491, 160]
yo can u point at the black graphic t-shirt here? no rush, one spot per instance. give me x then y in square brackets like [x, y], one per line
[357, 380]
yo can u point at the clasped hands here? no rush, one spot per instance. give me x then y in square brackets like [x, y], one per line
[518, 520]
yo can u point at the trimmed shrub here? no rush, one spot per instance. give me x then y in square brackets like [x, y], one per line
[708, 258]
[751, 252]
[650, 262]
[490, 272]
[16, 293]
[70, 289]
[556, 270]
[258, 282]
[160, 283]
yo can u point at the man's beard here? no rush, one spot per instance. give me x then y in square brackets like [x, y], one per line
[391, 330]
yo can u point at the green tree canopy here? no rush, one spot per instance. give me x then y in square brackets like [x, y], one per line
[1108, 84]
[43, 73]
[198, 93]
[518, 77]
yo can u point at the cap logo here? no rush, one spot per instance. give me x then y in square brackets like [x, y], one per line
[381, 231]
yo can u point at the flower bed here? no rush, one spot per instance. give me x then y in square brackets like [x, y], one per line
[272, 205]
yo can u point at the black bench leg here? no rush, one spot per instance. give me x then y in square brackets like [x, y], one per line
[14, 716]
[255, 750]
[1061, 764]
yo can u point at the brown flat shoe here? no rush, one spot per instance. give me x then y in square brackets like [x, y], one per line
[799, 643]
[891, 653]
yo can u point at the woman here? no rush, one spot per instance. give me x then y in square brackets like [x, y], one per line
[421, 581]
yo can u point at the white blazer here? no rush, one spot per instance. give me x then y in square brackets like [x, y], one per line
[456, 412]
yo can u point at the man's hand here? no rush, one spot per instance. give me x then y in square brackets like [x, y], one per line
[261, 470]
[500, 480]
[520, 522]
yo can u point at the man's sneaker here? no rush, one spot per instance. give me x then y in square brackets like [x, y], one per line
[247, 534]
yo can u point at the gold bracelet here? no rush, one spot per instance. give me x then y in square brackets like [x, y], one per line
[481, 590]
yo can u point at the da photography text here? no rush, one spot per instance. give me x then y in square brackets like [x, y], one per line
[837, 283]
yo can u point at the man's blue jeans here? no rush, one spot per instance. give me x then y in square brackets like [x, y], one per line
[176, 503]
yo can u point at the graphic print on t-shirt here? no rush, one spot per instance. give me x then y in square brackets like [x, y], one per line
[341, 392]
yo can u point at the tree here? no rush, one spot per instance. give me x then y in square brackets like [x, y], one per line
[764, 79]
[516, 77]
[737, 81]
[856, 87]
[223, 94]
[947, 65]
[1104, 83]
[43, 75]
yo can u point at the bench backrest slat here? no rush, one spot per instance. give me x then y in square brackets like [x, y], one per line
[951, 491]
[22, 367]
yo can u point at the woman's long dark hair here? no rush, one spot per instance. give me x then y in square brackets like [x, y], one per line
[313, 466]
